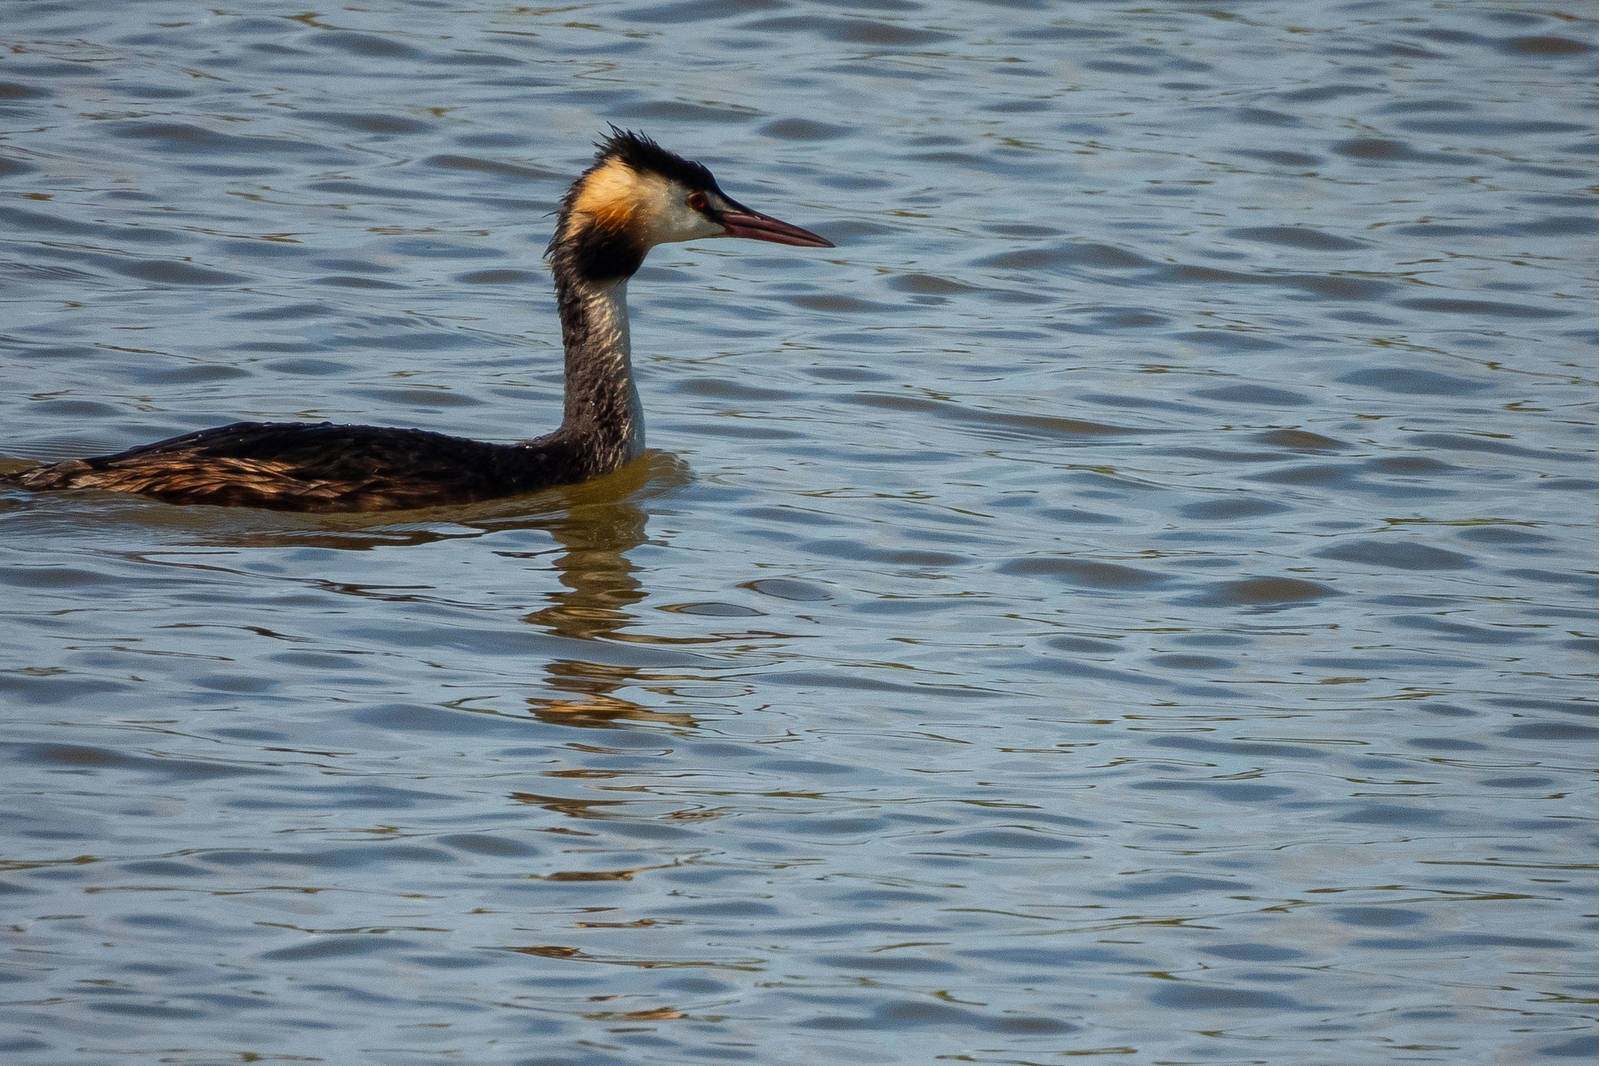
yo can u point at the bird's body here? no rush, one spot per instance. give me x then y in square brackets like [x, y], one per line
[635, 196]
[320, 466]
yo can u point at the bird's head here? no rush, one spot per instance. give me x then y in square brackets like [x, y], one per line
[638, 195]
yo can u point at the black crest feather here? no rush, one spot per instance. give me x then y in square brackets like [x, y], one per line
[645, 155]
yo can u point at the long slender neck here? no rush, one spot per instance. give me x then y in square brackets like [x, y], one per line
[602, 414]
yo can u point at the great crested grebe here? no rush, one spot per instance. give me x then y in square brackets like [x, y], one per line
[636, 195]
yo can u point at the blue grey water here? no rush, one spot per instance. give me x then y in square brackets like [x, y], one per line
[1133, 599]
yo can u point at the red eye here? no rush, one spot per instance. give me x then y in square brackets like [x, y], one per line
[697, 200]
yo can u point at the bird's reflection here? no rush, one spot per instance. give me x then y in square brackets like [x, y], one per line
[594, 524]
[598, 587]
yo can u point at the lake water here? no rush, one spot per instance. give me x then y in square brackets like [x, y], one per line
[1133, 600]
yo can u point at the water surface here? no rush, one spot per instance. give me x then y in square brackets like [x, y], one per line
[1133, 599]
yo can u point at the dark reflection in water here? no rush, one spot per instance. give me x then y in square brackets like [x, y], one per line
[594, 526]
[599, 587]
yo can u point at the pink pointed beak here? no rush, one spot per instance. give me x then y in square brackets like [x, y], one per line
[740, 221]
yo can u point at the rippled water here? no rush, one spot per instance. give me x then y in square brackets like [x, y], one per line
[1134, 598]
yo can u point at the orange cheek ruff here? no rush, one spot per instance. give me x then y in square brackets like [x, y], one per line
[612, 197]
[612, 215]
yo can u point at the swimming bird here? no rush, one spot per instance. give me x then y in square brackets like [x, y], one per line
[635, 196]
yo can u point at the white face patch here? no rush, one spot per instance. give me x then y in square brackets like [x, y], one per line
[675, 220]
